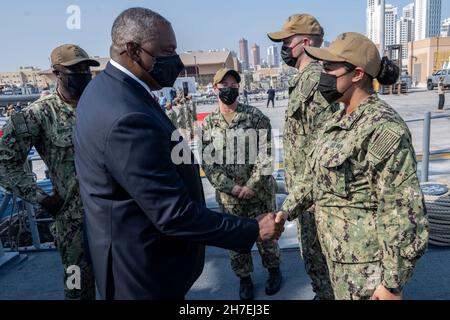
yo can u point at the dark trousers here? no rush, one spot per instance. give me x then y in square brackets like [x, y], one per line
[441, 101]
[271, 100]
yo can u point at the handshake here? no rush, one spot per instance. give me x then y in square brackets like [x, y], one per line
[271, 225]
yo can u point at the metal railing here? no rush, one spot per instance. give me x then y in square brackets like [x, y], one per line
[426, 141]
[29, 209]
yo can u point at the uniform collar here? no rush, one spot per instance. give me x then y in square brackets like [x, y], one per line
[296, 78]
[346, 122]
[63, 105]
[219, 119]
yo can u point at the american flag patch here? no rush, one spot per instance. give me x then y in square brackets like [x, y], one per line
[387, 140]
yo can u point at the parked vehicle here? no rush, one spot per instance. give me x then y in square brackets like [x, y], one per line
[434, 79]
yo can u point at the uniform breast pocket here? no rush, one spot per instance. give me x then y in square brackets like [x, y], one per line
[62, 137]
[335, 171]
[62, 144]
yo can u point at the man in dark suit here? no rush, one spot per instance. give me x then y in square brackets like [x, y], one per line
[146, 220]
[271, 97]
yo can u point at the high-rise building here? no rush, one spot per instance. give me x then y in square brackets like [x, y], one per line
[273, 58]
[373, 20]
[390, 24]
[405, 34]
[445, 28]
[405, 29]
[427, 19]
[243, 48]
[256, 55]
[408, 11]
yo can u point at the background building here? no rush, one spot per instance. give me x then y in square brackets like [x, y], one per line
[390, 24]
[408, 11]
[243, 48]
[427, 19]
[373, 28]
[373, 20]
[25, 76]
[204, 65]
[405, 34]
[427, 56]
[256, 56]
[445, 28]
[273, 58]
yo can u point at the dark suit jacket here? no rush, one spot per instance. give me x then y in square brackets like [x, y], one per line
[146, 220]
[271, 93]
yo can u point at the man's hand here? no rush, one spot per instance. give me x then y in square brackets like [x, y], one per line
[236, 191]
[52, 204]
[281, 218]
[246, 193]
[268, 229]
[381, 293]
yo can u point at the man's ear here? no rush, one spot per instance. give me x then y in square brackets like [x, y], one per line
[306, 42]
[57, 74]
[133, 51]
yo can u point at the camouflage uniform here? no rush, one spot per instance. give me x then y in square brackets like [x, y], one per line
[181, 116]
[191, 110]
[47, 124]
[255, 173]
[172, 115]
[10, 111]
[307, 112]
[370, 211]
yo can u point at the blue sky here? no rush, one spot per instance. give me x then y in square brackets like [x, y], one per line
[30, 29]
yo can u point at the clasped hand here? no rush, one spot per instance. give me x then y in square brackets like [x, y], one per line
[271, 226]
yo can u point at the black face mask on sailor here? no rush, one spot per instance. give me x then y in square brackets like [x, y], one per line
[287, 55]
[75, 83]
[228, 95]
[328, 87]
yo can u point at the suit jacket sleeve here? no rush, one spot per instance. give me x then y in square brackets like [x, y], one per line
[138, 156]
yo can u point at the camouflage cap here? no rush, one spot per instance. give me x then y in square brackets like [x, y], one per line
[298, 24]
[222, 73]
[350, 47]
[69, 54]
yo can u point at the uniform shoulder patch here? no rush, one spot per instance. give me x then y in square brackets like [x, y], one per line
[308, 88]
[386, 141]
[20, 124]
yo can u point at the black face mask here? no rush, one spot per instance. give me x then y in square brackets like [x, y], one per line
[286, 55]
[75, 83]
[166, 70]
[228, 95]
[328, 87]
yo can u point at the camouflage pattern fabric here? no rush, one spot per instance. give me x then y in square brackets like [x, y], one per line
[368, 202]
[306, 114]
[47, 125]
[257, 175]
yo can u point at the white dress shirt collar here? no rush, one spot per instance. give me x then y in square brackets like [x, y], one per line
[130, 74]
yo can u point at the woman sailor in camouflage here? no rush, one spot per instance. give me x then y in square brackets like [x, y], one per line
[370, 211]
